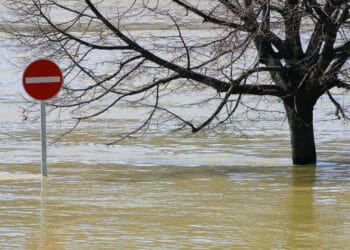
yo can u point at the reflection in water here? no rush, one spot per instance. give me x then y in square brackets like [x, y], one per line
[303, 218]
[42, 213]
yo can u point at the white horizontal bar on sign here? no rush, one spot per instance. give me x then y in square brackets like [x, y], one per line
[42, 79]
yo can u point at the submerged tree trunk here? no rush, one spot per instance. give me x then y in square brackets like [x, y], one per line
[301, 133]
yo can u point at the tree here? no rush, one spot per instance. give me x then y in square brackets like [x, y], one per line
[292, 50]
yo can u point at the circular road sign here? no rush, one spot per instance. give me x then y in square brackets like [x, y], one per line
[42, 79]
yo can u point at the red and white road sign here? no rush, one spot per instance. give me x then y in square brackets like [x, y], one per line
[42, 79]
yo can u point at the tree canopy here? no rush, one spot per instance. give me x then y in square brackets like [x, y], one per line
[291, 50]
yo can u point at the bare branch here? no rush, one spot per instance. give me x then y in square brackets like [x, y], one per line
[233, 109]
[217, 111]
[208, 18]
[188, 55]
[79, 40]
[185, 73]
[145, 123]
[344, 48]
[123, 95]
[67, 132]
[339, 110]
[341, 84]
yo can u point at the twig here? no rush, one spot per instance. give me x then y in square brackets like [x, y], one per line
[338, 107]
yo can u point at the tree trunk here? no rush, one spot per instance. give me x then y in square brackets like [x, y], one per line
[302, 134]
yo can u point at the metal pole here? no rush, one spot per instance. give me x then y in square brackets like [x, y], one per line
[43, 139]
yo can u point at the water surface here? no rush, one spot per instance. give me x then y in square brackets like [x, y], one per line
[168, 190]
[126, 207]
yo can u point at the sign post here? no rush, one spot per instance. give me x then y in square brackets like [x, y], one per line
[43, 139]
[42, 80]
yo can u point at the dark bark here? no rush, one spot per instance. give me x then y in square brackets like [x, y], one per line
[302, 134]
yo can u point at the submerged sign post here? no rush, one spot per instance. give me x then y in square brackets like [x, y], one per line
[42, 80]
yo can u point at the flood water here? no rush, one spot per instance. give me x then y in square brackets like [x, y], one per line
[119, 206]
[168, 190]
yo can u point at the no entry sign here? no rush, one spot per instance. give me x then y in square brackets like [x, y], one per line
[42, 79]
